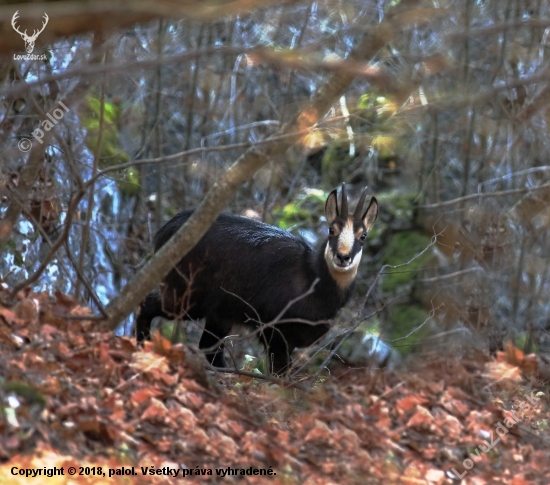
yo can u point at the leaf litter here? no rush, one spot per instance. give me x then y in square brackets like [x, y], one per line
[72, 395]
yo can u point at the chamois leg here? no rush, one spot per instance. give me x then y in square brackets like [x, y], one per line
[278, 350]
[149, 308]
[215, 330]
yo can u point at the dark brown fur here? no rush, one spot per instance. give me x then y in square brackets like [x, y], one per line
[243, 271]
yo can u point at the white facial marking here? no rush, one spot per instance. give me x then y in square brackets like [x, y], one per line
[352, 267]
[333, 265]
[346, 239]
[328, 255]
[356, 259]
[342, 275]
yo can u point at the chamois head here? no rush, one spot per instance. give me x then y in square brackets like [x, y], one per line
[347, 234]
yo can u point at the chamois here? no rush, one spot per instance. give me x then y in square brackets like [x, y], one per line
[246, 272]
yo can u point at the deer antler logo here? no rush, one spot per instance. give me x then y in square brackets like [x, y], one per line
[29, 40]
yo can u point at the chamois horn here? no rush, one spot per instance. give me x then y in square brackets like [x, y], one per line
[344, 203]
[359, 208]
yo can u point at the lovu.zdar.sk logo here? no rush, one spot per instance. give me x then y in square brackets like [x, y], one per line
[29, 39]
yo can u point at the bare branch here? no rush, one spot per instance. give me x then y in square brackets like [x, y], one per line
[489, 195]
[248, 164]
[498, 29]
[284, 383]
[373, 285]
[71, 210]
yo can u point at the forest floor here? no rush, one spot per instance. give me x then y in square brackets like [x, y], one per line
[92, 407]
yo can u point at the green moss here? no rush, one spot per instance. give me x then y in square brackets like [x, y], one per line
[520, 342]
[26, 392]
[404, 320]
[402, 247]
[292, 214]
[95, 115]
[399, 205]
[375, 109]
[168, 330]
[254, 364]
[300, 212]
[398, 210]
[130, 182]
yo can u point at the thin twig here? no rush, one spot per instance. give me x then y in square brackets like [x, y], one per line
[84, 280]
[58, 243]
[497, 29]
[354, 327]
[437, 279]
[265, 377]
[243, 300]
[491, 195]
[270, 56]
[193, 151]
[344, 332]
[416, 329]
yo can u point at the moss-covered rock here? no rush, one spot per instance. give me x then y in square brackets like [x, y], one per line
[169, 329]
[302, 211]
[402, 248]
[365, 346]
[406, 321]
[398, 208]
[102, 114]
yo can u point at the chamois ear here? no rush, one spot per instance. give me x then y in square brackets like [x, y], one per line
[331, 207]
[370, 215]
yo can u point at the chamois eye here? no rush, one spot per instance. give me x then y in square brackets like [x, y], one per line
[331, 231]
[363, 236]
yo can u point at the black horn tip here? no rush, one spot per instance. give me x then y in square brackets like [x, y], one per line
[359, 208]
[343, 191]
[344, 202]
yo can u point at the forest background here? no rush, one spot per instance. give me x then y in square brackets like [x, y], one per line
[115, 116]
[440, 108]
